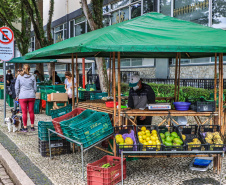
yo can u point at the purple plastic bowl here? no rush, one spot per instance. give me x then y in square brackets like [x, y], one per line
[181, 105]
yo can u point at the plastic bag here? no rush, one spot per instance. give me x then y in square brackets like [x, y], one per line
[69, 92]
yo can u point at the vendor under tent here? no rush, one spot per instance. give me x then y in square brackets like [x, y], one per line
[152, 35]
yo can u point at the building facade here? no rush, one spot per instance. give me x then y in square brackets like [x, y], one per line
[69, 21]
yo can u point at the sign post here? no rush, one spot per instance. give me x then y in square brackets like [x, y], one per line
[6, 54]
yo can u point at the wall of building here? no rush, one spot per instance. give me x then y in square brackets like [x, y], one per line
[186, 72]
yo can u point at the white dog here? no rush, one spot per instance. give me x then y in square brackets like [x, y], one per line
[13, 123]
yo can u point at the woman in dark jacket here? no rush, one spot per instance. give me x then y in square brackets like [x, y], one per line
[9, 77]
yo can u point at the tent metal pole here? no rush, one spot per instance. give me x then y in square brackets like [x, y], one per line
[219, 98]
[114, 95]
[215, 80]
[83, 73]
[4, 72]
[175, 81]
[77, 78]
[178, 78]
[119, 90]
[109, 84]
[53, 74]
[222, 93]
[73, 81]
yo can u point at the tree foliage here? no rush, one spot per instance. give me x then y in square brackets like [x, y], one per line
[13, 12]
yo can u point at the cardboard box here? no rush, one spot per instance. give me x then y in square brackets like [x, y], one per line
[59, 97]
[38, 95]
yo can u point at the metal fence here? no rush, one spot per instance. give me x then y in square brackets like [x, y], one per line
[198, 83]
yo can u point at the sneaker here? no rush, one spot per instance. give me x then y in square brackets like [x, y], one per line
[23, 130]
[32, 128]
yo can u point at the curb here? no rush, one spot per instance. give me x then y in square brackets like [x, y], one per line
[13, 169]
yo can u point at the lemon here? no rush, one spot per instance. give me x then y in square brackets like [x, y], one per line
[144, 137]
[148, 134]
[143, 132]
[154, 131]
[141, 140]
[148, 139]
[140, 137]
[153, 138]
[154, 143]
[140, 133]
[158, 142]
[155, 135]
[147, 131]
[143, 128]
[145, 143]
[150, 142]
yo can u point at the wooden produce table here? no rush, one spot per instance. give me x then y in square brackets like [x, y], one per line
[97, 105]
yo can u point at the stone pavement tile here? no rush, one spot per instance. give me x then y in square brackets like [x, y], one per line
[5, 181]
[4, 177]
[9, 183]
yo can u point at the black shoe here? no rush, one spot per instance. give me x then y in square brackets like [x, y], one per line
[23, 130]
[32, 128]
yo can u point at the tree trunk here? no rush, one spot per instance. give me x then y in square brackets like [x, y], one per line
[101, 67]
[88, 15]
[97, 11]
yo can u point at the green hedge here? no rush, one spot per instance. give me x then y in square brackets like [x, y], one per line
[167, 90]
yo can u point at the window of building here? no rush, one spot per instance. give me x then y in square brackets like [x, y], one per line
[148, 6]
[194, 11]
[32, 43]
[219, 14]
[135, 10]
[193, 61]
[135, 62]
[165, 7]
[80, 26]
[60, 33]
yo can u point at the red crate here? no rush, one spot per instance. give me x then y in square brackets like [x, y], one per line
[96, 175]
[56, 121]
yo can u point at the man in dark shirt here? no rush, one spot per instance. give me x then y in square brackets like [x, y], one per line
[57, 78]
[140, 95]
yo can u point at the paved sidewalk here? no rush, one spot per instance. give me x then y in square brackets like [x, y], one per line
[66, 169]
[4, 177]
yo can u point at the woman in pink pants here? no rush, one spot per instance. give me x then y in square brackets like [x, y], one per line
[25, 91]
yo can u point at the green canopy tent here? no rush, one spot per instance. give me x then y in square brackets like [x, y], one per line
[22, 60]
[152, 35]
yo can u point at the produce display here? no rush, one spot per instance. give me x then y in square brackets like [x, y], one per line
[107, 165]
[149, 138]
[214, 138]
[171, 139]
[127, 142]
[195, 143]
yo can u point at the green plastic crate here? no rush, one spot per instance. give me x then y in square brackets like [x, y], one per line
[49, 106]
[98, 96]
[65, 125]
[37, 107]
[60, 88]
[45, 92]
[9, 100]
[60, 112]
[93, 129]
[89, 86]
[43, 131]
[1, 94]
